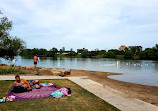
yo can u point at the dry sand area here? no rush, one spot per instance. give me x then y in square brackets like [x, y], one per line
[146, 93]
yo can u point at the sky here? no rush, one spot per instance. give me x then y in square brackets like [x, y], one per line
[102, 24]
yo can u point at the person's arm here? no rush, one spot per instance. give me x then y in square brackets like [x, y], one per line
[34, 58]
[14, 83]
[26, 82]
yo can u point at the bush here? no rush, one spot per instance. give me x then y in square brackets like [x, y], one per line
[11, 71]
[136, 57]
[110, 55]
[120, 57]
[128, 55]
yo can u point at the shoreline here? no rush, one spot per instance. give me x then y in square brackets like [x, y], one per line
[143, 92]
[132, 90]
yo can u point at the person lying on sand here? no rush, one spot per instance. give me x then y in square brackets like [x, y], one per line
[21, 85]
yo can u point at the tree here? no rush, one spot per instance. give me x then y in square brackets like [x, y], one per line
[115, 51]
[136, 49]
[155, 48]
[54, 51]
[72, 54]
[61, 51]
[148, 54]
[9, 46]
[84, 54]
[110, 54]
[128, 54]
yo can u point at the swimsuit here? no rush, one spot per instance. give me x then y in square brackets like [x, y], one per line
[32, 84]
[35, 62]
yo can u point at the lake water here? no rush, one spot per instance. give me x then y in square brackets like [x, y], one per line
[135, 71]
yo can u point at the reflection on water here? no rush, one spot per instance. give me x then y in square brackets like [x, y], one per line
[138, 71]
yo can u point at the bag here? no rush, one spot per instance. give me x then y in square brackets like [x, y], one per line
[19, 89]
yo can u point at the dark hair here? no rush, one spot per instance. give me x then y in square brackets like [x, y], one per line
[69, 90]
[17, 76]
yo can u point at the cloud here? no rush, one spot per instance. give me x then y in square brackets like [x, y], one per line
[82, 23]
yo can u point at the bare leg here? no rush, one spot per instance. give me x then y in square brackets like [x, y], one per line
[35, 67]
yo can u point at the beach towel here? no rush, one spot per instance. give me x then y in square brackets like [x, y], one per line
[46, 84]
[43, 92]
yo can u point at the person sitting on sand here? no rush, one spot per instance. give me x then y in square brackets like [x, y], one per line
[21, 85]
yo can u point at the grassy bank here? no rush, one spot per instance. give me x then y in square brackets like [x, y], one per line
[81, 100]
[11, 70]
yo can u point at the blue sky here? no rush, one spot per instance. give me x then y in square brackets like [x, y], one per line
[103, 24]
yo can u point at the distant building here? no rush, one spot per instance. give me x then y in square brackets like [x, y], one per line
[63, 48]
[71, 49]
[122, 48]
[96, 49]
[80, 50]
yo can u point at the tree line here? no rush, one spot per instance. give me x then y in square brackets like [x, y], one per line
[134, 52]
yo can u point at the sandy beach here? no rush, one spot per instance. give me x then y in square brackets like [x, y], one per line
[146, 93]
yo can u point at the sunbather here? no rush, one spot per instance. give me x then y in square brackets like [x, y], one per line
[34, 84]
[21, 85]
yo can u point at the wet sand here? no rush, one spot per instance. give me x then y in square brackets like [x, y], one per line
[146, 93]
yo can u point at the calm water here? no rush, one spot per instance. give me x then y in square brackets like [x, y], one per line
[140, 71]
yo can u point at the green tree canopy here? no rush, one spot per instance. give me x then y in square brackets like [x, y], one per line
[9, 46]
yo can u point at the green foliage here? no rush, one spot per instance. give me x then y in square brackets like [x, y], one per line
[54, 51]
[148, 54]
[136, 50]
[128, 54]
[84, 54]
[120, 57]
[11, 71]
[94, 53]
[114, 51]
[110, 55]
[99, 56]
[61, 51]
[136, 57]
[78, 55]
[72, 54]
[9, 46]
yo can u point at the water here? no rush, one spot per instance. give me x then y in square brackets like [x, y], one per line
[135, 71]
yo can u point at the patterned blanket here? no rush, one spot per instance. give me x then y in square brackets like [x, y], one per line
[43, 92]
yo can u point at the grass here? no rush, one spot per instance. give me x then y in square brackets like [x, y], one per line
[11, 70]
[81, 100]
